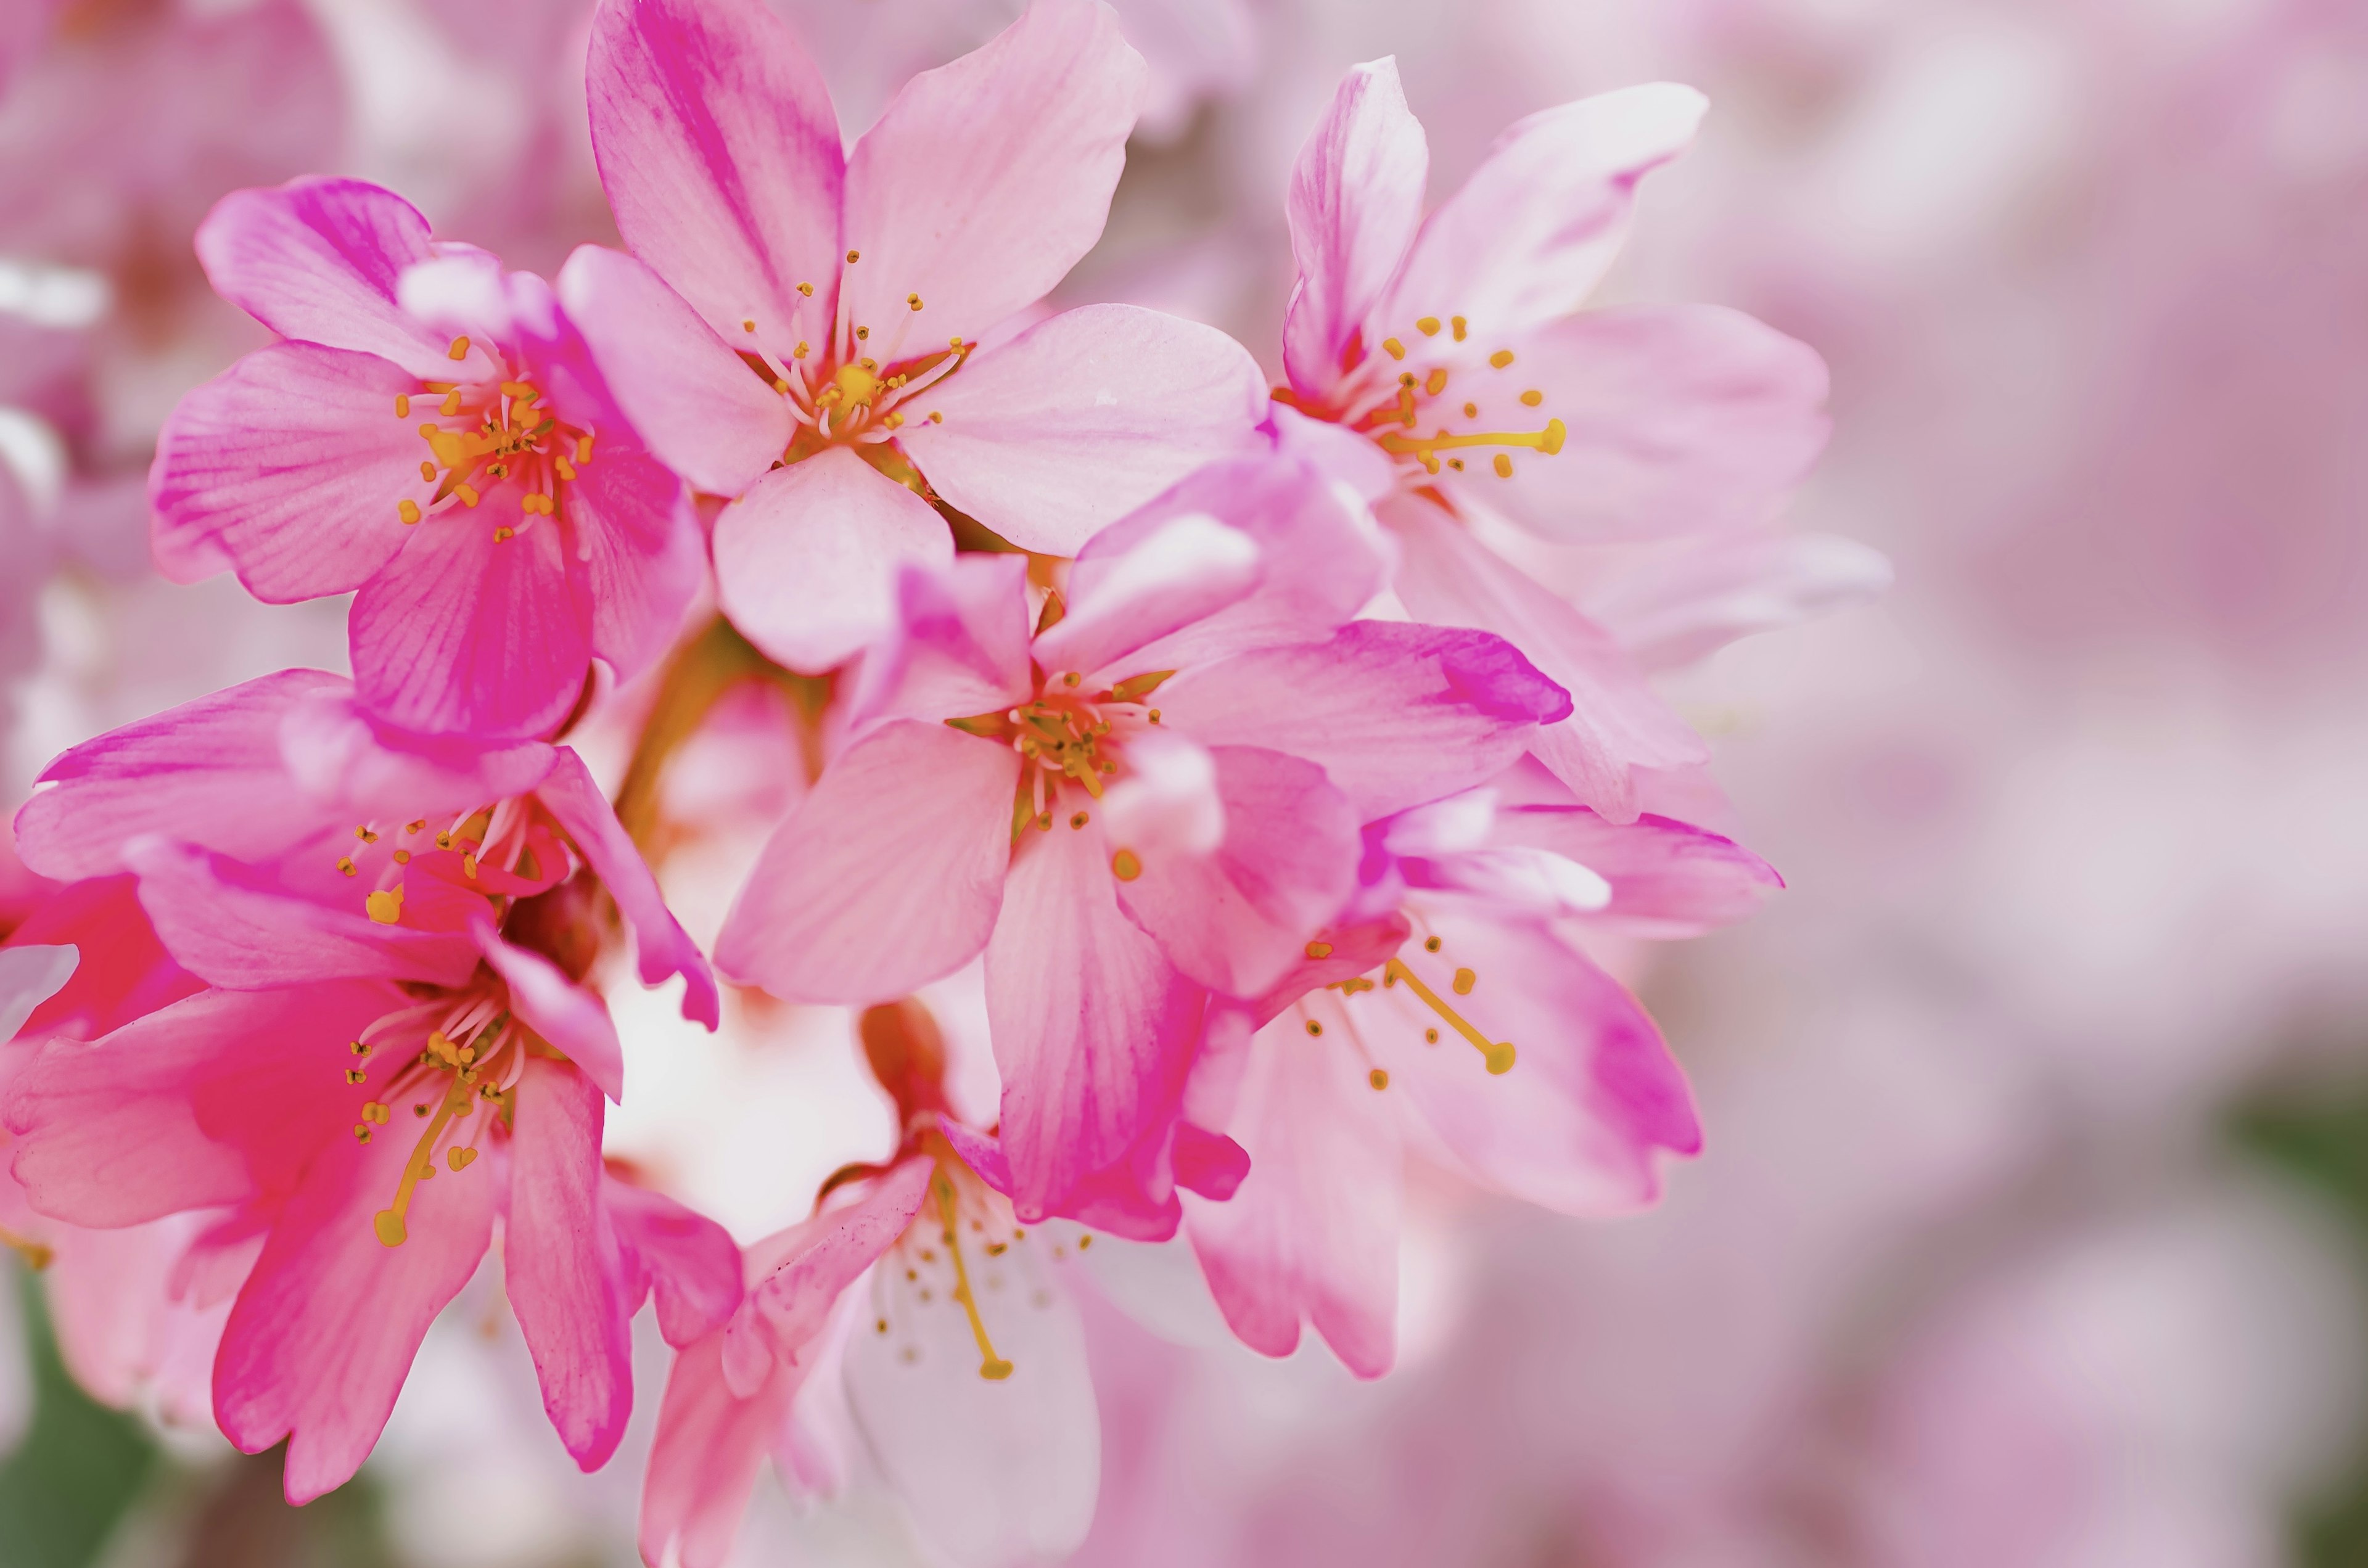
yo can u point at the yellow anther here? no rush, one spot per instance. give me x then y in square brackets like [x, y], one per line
[1428, 327]
[855, 384]
[1471, 411]
[521, 392]
[893, 422]
[748, 324]
[402, 406]
[800, 353]
[467, 493]
[1394, 349]
[1125, 866]
[936, 418]
[428, 471]
[1430, 944]
[1465, 981]
[954, 342]
[807, 289]
[914, 301]
[504, 535]
[386, 905]
[1319, 950]
[452, 403]
[991, 1367]
[1498, 1054]
[356, 1075]
[583, 449]
[361, 1131]
[360, 1047]
[1071, 678]
[408, 511]
[1079, 820]
[345, 864]
[1504, 466]
[365, 835]
[402, 857]
[460, 349]
[1456, 322]
[1532, 398]
[853, 257]
[1437, 383]
[1502, 357]
[469, 867]
[1314, 1029]
[1378, 1078]
[459, 1158]
[566, 470]
[862, 334]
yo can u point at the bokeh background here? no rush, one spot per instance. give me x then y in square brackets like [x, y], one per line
[2031, 1228]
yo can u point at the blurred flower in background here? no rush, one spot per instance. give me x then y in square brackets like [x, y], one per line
[2035, 1110]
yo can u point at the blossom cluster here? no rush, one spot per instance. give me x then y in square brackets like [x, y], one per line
[1292, 825]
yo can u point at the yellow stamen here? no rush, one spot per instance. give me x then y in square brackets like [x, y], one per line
[1125, 866]
[502, 536]
[1426, 448]
[460, 349]
[914, 301]
[452, 403]
[1378, 1078]
[807, 289]
[1457, 323]
[1502, 357]
[386, 905]
[1319, 950]
[1428, 327]
[1504, 466]
[467, 494]
[1498, 1054]
[991, 1367]
[1394, 349]
[402, 406]
[408, 511]
[1436, 383]
[853, 257]
[1532, 398]
[388, 1222]
[517, 390]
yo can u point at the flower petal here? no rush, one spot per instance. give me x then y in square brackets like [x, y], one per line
[463, 634]
[1356, 201]
[336, 750]
[960, 645]
[1091, 1024]
[318, 260]
[711, 1443]
[556, 1259]
[986, 180]
[1188, 568]
[562, 1013]
[795, 1297]
[806, 563]
[1669, 613]
[685, 1259]
[687, 393]
[639, 556]
[1668, 877]
[289, 468]
[720, 157]
[886, 875]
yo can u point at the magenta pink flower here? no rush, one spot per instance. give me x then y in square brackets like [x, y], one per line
[432, 436]
[1455, 345]
[838, 340]
[1451, 1012]
[1153, 794]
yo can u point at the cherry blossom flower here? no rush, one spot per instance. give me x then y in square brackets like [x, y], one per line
[1155, 793]
[432, 433]
[842, 343]
[1461, 939]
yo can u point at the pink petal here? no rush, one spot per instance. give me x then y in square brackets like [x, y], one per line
[1677, 419]
[124, 972]
[959, 647]
[711, 1443]
[1618, 724]
[720, 157]
[209, 771]
[318, 260]
[1091, 1023]
[687, 393]
[558, 1280]
[639, 556]
[660, 943]
[325, 1331]
[1237, 920]
[1669, 879]
[795, 1297]
[986, 180]
[562, 1013]
[1356, 201]
[1312, 1232]
[886, 875]
[463, 634]
[685, 1260]
[1210, 1164]
[1185, 570]
[221, 920]
[1672, 612]
[1082, 418]
[180, 1110]
[1538, 223]
[1592, 1092]
[289, 466]
[1395, 713]
[806, 563]
[335, 749]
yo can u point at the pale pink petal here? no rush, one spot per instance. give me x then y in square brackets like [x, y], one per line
[1618, 724]
[1237, 920]
[1575, 1123]
[685, 1260]
[1669, 879]
[1082, 418]
[720, 157]
[794, 1298]
[886, 875]
[1186, 568]
[325, 1331]
[639, 555]
[1091, 1023]
[959, 647]
[711, 1443]
[689, 394]
[554, 1267]
[30, 976]
[224, 921]
[122, 1332]
[806, 563]
[1536, 227]
[660, 943]
[1395, 713]
[209, 772]
[1356, 201]
[562, 1013]
[986, 180]
[318, 260]
[1672, 612]
[291, 467]
[466, 633]
[1311, 1234]
[1677, 419]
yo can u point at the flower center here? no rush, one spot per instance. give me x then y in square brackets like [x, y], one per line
[487, 432]
[1391, 411]
[851, 390]
[472, 1051]
[1070, 741]
[499, 835]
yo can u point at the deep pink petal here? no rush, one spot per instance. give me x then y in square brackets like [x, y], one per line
[1618, 723]
[1238, 919]
[123, 972]
[720, 157]
[1677, 419]
[318, 260]
[1536, 227]
[557, 1264]
[1356, 201]
[1210, 1164]
[685, 1260]
[959, 647]
[562, 1013]
[465, 633]
[806, 563]
[986, 180]
[1668, 877]
[1082, 418]
[689, 394]
[1311, 1234]
[1092, 1025]
[660, 943]
[886, 876]
[325, 1331]
[222, 920]
[290, 467]
[1671, 612]
[639, 555]
[1395, 713]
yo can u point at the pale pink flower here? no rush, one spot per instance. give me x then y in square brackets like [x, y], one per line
[1153, 795]
[840, 339]
[432, 433]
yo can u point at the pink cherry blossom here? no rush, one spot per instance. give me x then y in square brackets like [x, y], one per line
[842, 342]
[1452, 1013]
[432, 435]
[1153, 794]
